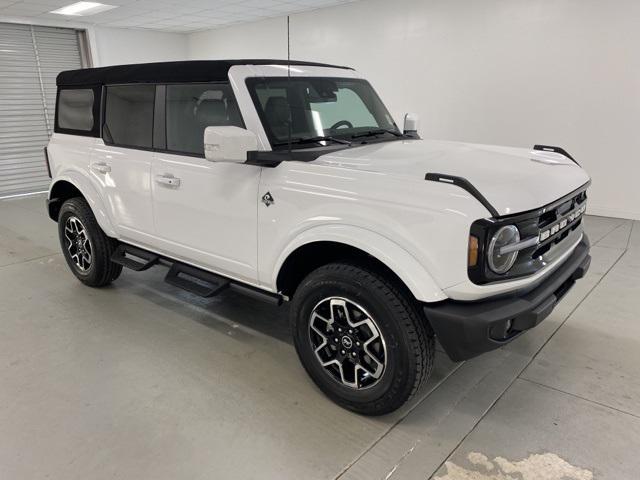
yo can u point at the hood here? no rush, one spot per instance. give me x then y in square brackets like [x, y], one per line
[513, 180]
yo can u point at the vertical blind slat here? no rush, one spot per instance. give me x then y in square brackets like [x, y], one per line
[30, 59]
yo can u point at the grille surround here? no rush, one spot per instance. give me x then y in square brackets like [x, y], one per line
[531, 224]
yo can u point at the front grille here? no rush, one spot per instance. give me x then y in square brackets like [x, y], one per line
[553, 213]
[557, 227]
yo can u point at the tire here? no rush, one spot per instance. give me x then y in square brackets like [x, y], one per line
[405, 346]
[89, 258]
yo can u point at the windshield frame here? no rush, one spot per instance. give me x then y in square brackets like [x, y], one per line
[277, 143]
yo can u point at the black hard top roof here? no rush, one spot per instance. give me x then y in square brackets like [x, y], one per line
[169, 72]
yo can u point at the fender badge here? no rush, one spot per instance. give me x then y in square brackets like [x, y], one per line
[267, 199]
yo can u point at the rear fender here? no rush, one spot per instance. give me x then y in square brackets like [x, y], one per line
[91, 195]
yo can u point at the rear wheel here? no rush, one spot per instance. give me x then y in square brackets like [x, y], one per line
[85, 246]
[361, 338]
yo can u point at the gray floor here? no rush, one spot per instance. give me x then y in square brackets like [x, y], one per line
[142, 381]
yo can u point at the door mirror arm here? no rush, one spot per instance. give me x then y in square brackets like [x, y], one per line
[411, 125]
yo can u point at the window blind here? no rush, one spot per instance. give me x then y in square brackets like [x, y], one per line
[30, 59]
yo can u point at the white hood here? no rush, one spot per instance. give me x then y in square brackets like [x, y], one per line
[512, 179]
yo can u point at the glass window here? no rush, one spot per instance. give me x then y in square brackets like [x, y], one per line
[75, 109]
[192, 108]
[129, 115]
[341, 108]
[348, 105]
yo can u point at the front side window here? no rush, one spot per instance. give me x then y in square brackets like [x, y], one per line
[75, 109]
[128, 118]
[193, 107]
[309, 108]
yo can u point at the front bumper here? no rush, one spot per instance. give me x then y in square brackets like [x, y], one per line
[467, 329]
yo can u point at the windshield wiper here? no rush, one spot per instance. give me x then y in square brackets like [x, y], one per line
[300, 141]
[379, 131]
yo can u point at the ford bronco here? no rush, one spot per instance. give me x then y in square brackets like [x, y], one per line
[291, 182]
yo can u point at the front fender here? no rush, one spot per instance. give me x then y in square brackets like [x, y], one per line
[406, 267]
[91, 195]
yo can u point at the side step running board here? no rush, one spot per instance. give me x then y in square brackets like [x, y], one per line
[192, 279]
[134, 258]
[196, 281]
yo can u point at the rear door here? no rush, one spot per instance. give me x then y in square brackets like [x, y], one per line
[122, 164]
[205, 212]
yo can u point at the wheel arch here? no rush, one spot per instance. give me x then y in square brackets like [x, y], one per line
[64, 188]
[352, 244]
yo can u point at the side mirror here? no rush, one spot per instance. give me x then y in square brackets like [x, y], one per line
[411, 124]
[228, 144]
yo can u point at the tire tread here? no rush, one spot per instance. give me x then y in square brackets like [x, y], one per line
[421, 342]
[103, 246]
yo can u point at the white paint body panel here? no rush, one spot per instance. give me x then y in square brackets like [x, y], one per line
[512, 179]
[210, 219]
[69, 160]
[126, 188]
[372, 197]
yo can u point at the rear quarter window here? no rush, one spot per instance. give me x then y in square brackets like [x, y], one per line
[76, 111]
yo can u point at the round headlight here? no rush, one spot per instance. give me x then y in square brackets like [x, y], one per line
[503, 237]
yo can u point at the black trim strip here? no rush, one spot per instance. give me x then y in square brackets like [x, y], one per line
[159, 118]
[272, 158]
[46, 159]
[265, 158]
[465, 185]
[560, 150]
[168, 72]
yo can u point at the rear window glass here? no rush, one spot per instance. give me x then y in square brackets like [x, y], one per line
[128, 118]
[75, 109]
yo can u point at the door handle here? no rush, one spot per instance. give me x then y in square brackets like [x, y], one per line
[101, 167]
[168, 180]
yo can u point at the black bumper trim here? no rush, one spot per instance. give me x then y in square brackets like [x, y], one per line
[467, 329]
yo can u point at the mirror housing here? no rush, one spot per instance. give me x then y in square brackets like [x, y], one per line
[228, 144]
[411, 123]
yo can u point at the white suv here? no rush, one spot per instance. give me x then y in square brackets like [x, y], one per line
[291, 182]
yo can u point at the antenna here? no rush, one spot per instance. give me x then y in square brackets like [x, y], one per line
[289, 82]
[288, 44]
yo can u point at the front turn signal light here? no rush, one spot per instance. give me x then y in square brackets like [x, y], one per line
[473, 251]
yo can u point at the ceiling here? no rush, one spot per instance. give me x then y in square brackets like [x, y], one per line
[181, 16]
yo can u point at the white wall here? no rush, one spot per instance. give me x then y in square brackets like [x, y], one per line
[115, 46]
[512, 72]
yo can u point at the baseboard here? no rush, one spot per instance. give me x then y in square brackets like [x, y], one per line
[19, 195]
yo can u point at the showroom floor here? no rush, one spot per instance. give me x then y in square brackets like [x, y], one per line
[140, 380]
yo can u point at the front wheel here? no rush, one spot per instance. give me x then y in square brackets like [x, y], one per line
[85, 246]
[361, 338]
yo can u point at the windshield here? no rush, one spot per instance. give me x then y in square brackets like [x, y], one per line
[322, 110]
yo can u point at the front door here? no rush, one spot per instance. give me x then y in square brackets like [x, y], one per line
[205, 212]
